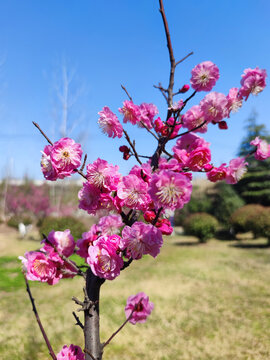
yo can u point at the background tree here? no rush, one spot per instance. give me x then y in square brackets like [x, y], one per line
[254, 187]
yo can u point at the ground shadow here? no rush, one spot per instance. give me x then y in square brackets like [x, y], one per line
[188, 243]
[250, 246]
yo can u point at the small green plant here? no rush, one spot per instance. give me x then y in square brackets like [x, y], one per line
[260, 225]
[201, 225]
[241, 217]
[62, 223]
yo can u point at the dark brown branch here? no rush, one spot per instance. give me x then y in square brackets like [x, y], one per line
[89, 353]
[151, 132]
[184, 58]
[163, 91]
[132, 146]
[81, 173]
[188, 131]
[46, 137]
[51, 352]
[125, 90]
[157, 216]
[78, 322]
[84, 161]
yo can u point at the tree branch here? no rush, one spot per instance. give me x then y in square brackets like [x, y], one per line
[125, 90]
[46, 137]
[78, 322]
[51, 352]
[132, 146]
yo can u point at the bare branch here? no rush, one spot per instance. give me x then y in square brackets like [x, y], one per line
[125, 90]
[184, 58]
[78, 321]
[151, 132]
[84, 161]
[51, 352]
[46, 137]
[132, 144]
[163, 91]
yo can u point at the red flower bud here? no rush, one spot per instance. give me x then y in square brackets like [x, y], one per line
[124, 149]
[184, 89]
[223, 125]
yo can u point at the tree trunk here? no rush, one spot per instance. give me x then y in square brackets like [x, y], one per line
[91, 318]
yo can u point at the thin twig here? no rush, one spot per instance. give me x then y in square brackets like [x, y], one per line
[188, 131]
[157, 216]
[78, 321]
[51, 352]
[151, 132]
[84, 161]
[132, 146]
[163, 91]
[81, 173]
[46, 137]
[184, 58]
[125, 90]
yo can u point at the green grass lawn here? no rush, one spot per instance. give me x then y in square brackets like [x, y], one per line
[211, 301]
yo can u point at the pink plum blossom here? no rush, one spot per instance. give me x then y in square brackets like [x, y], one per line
[111, 224]
[132, 190]
[109, 123]
[65, 156]
[214, 106]
[143, 171]
[236, 170]
[138, 308]
[253, 82]
[234, 101]
[131, 112]
[47, 166]
[170, 190]
[141, 239]
[62, 240]
[262, 150]
[193, 118]
[172, 164]
[87, 239]
[217, 173]
[103, 175]
[204, 76]
[89, 197]
[198, 158]
[164, 226]
[148, 112]
[104, 258]
[71, 352]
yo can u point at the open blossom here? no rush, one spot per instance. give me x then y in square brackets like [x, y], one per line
[104, 258]
[65, 156]
[62, 240]
[131, 112]
[133, 192]
[198, 158]
[193, 118]
[214, 106]
[170, 190]
[262, 150]
[253, 82]
[89, 197]
[87, 239]
[204, 76]
[109, 123]
[143, 171]
[111, 224]
[139, 306]
[103, 175]
[39, 267]
[47, 166]
[217, 173]
[141, 239]
[234, 101]
[236, 170]
[148, 112]
[71, 352]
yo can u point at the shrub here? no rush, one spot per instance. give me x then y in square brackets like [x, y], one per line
[260, 225]
[240, 217]
[14, 221]
[62, 223]
[201, 225]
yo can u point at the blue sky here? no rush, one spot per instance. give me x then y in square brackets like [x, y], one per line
[108, 43]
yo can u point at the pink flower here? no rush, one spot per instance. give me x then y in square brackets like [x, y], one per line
[104, 258]
[139, 306]
[184, 89]
[87, 239]
[204, 76]
[141, 239]
[103, 175]
[172, 164]
[39, 267]
[111, 224]
[109, 123]
[217, 173]
[193, 118]
[234, 101]
[214, 106]
[89, 197]
[170, 190]
[263, 149]
[164, 226]
[236, 170]
[65, 156]
[253, 82]
[148, 112]
[144, 171]
[47, 167]
[71, 352]
[133, 192]
[131, 112]
[198, 158]
[62, 240]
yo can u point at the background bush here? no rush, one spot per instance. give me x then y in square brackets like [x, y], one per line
[241, 217]
[260, 224]
[201, 225]
[14, 221]
[62, 223]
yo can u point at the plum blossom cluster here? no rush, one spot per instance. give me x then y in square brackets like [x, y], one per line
[71, 352]
[138, 308]
[49, 264]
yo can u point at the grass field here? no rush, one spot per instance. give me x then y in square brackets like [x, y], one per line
[211, 302]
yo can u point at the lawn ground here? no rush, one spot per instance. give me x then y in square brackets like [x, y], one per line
[211, 301]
